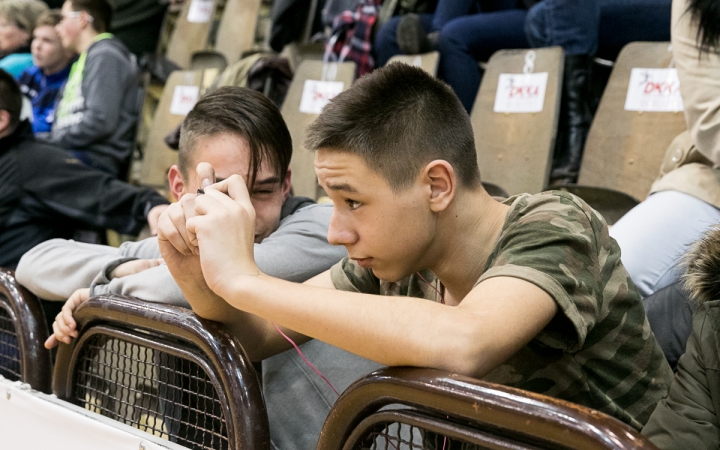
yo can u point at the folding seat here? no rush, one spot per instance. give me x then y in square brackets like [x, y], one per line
[515, 117]
[163, 370]
[639, 115]
[313, 80]
[192, 31]
[180, 94]
[23, 331]
[404, 408]
[237, 29]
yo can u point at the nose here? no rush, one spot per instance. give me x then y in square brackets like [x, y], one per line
[339, 231]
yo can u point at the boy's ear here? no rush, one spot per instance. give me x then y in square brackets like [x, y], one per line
[176, 182]
[441, 182]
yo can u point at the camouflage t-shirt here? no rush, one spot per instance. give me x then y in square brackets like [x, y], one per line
[599, 350]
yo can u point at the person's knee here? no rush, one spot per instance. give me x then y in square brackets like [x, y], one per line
[453, 37]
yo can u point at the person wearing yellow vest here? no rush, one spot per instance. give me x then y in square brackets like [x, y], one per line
[97, 111]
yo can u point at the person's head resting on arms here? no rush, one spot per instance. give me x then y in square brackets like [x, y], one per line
[47, 49]
[82, 21]
[237, 131]
[396, 154]
[10, 104]
[17, 21]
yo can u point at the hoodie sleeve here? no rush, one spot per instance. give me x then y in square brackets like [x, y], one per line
[106, 71]
[68, 190]
[56, 268]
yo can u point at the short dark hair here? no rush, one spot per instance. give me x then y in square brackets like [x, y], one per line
[243, 112]
[10, 97]
[100, 10]
[399, 118]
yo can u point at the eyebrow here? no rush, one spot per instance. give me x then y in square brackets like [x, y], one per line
[342, 187]
[266, 181]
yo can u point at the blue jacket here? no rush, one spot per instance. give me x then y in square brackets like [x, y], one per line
[42, 91]
[15, 63]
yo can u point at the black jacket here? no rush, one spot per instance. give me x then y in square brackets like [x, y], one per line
[45, 193]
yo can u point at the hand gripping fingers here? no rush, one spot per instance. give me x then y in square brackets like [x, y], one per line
[172, 228]
[235, 188]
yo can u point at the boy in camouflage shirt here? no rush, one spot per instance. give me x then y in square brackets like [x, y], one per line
[529, 292]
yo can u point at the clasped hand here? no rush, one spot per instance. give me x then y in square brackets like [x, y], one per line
[218, 226]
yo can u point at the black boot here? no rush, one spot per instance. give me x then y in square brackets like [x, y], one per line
[575, 118]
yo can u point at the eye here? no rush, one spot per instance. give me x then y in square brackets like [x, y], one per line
[352, 204]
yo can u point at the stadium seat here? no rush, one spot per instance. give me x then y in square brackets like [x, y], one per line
[162, 370]
[192, 31]
[625, 149]
[302, 163]
[407, 408]
[157, 156]
[427, 61]
[236, 32]
[23, 331]
[515, 149]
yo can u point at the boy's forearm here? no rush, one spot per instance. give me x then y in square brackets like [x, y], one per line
[491, 324]
[393, 331]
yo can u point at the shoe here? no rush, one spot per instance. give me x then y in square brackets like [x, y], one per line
[411, 36]
[575, 119]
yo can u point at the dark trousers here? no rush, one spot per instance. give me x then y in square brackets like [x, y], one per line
[465, 38]
[587, 27]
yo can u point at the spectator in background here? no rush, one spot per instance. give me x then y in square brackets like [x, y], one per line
[689, 417]
[685, 199]
[137, 24]
[581, 27]
[42, 82]
[17, 21]
[464, 31]
[47, 194]
[97, 112]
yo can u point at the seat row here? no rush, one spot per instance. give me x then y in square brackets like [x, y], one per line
[514, 131]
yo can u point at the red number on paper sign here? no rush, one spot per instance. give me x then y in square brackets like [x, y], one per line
[524, 91]
[661, 88]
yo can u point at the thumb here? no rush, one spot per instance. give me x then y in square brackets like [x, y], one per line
[206, 174]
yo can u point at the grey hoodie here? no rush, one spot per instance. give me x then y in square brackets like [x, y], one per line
[102, 118]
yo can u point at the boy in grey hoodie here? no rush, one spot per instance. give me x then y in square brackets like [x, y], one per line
[97, 112]
[227, 130]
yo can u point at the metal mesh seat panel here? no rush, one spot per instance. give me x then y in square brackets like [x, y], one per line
[154, 391]
[401, 436]
[10, 367]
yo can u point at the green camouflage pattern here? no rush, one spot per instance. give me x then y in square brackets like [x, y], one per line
[599, 350]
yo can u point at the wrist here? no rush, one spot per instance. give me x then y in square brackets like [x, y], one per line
[239, 287]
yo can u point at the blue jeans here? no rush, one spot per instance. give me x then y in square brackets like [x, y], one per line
[386, 45]
[654, 235]
[464, 39]
[587, 27]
